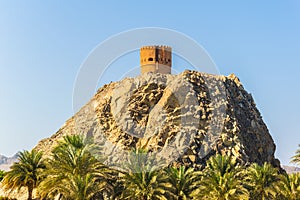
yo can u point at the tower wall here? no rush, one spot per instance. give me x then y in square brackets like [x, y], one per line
[157, 59]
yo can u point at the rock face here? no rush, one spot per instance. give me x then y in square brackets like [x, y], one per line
[6, 162]
[291, 169]
[183, 119]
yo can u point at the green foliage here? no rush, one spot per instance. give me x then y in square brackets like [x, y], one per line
[288, 188]
[182, 180]
[2, 174]
[73, 172]
[296, 157]
[144, 180]
[222, 179]
[25, 173]
[262, 181]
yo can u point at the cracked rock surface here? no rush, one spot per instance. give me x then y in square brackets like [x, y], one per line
[184, 119]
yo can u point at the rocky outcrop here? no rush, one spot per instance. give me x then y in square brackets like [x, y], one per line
[182, 119]
[291, 169]
[6, 162]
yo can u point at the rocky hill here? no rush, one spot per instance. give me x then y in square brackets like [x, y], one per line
[6, 162]
[291, 169]
[180, 119]
[183, 119]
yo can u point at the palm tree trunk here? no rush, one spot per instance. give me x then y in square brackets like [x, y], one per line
[29, 192]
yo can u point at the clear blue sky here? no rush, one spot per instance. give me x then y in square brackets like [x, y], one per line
[43, 43]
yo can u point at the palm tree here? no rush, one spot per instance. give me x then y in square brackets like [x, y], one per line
[2, 173]
[296, 158]
[182, 180]
[262, 181]
[73, 172]
[222, 179]
[289, 186]
[144, 180]
[25, 173]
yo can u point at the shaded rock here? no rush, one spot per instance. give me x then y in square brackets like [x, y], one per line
[180, 119]
[184, 118]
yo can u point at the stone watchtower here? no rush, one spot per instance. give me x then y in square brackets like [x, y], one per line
[157, 59]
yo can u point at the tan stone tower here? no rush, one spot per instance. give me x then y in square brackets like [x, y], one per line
[156, 59]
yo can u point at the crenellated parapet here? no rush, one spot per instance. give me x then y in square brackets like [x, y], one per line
[157, 59]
